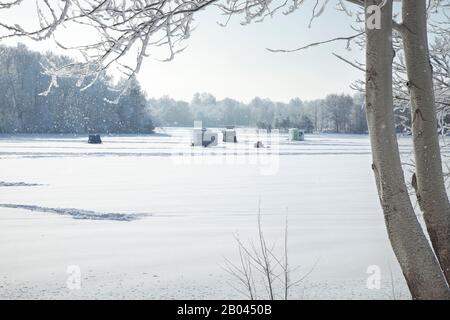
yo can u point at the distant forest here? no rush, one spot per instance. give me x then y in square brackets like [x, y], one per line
[67, 109]
[335, 113]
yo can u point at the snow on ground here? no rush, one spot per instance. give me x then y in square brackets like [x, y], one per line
[148, 217]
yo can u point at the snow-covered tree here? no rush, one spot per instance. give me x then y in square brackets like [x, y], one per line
[66, 109]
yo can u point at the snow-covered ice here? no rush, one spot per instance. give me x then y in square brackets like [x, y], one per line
[150, 217]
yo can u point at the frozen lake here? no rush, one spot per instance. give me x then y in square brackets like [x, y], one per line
[151, 217]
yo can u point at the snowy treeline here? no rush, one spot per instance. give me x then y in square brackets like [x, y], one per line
[66, 109]
[69, 109]
[335, 113]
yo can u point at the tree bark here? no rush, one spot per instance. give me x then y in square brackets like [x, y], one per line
[430, 187]
[412, 249]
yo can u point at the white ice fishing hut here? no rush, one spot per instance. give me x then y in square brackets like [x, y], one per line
[229, 135]
[202, 137]
[296, 134]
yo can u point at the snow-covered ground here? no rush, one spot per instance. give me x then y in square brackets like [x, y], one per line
[146, 217]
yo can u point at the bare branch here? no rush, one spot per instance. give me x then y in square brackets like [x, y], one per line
[348, 39]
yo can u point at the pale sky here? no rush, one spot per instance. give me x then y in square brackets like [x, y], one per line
[233, 61]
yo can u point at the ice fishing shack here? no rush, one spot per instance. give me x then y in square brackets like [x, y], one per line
[229, 134]
[203, 137]
[296, 134]
[94, 139]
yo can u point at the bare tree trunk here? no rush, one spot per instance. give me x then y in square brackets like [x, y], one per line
[430, 187]
[414, 254]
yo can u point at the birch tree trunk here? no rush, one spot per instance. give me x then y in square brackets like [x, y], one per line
[414, 254]
[429, 180]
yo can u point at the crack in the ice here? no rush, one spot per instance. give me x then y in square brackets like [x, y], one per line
[79, 213]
